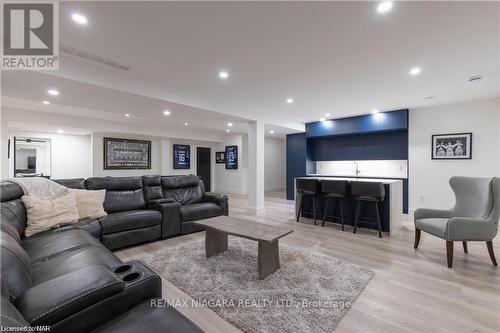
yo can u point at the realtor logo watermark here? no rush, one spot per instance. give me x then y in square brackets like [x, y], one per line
[30, 32]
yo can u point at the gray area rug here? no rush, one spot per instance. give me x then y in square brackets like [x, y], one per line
[310, 293]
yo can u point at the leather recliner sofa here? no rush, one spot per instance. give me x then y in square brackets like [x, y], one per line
[183, 200]
[148, 208]
[67, 279]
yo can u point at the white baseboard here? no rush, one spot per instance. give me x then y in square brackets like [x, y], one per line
[274, 188]
[229, 191]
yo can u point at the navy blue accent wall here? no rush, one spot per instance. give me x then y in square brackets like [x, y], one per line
[379, 146]
[296, 160]
[381, 122]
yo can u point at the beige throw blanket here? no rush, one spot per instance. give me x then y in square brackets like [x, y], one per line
[41, 187]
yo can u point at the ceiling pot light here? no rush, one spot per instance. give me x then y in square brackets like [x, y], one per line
[228, 131]
[229, 124]
[53, 92]
[79, 18]
[223, 75]
[127, 115]
[166, 112]
[185, 124]
[46, 102]
[289, 100]
[384, 7]
[327, 115]
[375, 111]
[271, 132]
[60, 131]
[415, 70]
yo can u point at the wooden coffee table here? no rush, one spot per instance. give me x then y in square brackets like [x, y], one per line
[218, 228]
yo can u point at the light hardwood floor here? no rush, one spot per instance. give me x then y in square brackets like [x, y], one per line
[412, 291]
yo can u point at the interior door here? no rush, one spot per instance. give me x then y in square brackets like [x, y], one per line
[203, 166]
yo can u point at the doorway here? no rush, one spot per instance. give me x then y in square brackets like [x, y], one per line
[203, 166]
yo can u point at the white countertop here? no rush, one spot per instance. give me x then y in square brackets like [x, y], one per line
[381, 180]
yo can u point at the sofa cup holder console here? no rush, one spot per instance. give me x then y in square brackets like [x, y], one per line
[122, 269]
[131, 277]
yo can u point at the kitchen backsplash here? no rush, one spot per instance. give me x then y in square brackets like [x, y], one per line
[378, 169]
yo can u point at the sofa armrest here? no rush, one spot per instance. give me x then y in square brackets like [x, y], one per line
[160, 201]
[219, 199]
[426, 213]
[171, 216]
[54, 300]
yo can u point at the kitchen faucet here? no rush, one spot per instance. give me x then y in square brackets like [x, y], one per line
[357, 168]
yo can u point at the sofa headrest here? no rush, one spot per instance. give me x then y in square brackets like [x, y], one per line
[151, 180]
[114, 183]
[172, 182]
[77, 183]
[10, 191]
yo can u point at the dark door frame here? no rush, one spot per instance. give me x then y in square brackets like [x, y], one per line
[209, 174]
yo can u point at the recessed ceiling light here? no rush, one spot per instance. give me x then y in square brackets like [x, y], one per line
[415, 70]
[185, 124]
[228, 131]
[375, 111]
[79, 18]
[322, 119]
[229, 124]
[127, 115]
[223, 75]
[166, 112]
[289, 100]
[60, 131]
[327, 115]
[384, 7]
[46, 102]
[53, 92]
[271, 132]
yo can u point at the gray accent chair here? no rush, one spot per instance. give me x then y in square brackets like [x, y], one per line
[474, 217]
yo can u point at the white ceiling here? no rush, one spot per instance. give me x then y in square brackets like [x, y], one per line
[340, 58]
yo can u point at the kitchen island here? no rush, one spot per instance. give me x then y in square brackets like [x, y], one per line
[392, 207]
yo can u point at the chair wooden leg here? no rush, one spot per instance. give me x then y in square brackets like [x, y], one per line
[358, 209]
[342, 213]
[326, 211]
[449, 253]
[314, 208]
[300, 207]
[466, 250]
[489, 245]
[378, 221]
[417, 238]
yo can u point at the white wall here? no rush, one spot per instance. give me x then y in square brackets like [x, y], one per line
[70, 154]
[274, 164]
[428, 179]
[233, 181]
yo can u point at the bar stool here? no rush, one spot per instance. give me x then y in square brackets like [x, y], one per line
[334, 190]
[363, 192]
[307, 187]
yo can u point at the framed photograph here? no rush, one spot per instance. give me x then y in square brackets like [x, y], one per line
[457, 146]
[231, 157]
[126, 154]
[182, 156]
[220, 157]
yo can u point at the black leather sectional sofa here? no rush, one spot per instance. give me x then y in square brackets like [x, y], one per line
[68, 279]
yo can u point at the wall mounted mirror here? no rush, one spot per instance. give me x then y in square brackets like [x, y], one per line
[31, 157]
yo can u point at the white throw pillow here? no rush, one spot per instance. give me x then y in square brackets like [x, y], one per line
[90, 203]
[46, 214]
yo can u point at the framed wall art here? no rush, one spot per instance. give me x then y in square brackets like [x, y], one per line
[126, 154]
[220, 157]
[182, 156]
[231, 157]
[457, 146]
